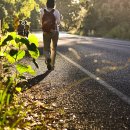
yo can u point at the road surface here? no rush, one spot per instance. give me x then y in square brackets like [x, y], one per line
[91, 80]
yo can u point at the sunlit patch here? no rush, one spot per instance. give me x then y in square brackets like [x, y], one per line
[108, 69]
[75, 1]
[85, 42]
[108, 62]
[72, 85]
[95, 54]
[97, 78]
[103, 61]
[95, 61]
[97, 70]
[75, 53]
[54, 104]
[99, 38]
[74, 116]
[128, 60]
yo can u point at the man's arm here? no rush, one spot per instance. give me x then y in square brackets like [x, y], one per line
[57, 14]
[41, 14]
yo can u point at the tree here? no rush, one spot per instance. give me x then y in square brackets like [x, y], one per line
[72, 13]
[17, 8]
[108, 18]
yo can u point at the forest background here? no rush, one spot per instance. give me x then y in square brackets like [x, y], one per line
[99, 18]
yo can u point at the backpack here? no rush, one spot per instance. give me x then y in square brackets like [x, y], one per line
[48, 21]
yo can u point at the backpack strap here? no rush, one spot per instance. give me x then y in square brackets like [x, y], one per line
[52, 11]
[45, 11]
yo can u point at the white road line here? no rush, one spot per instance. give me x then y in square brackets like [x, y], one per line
[106, 85]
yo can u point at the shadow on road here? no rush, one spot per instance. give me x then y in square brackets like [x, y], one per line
[33, 81]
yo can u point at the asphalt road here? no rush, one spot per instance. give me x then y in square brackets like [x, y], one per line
[91, 80]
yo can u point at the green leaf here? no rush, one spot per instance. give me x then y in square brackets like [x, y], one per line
[21, 68]
[13, 52]
[17, 55]
[10, 59]
[14, 56]
[33, 39]
[17, 40]
[24, 41]
[13, 34]
[24, 69]
[33, 51]
[14, 43]
[8, 38]
[30, 70]
[18, 89]
[20, 55]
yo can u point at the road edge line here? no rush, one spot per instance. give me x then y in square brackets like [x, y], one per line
[102, 82]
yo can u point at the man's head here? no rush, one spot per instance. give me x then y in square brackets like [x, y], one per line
[50, 3]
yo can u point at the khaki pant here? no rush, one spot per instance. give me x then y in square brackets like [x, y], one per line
[50, 44]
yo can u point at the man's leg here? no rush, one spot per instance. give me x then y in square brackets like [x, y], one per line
[46, 48]
[55, 37]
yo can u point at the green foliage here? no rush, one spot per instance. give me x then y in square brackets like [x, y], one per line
[24, 69]
[13, 51]
[120, 31]
[107, 19]
[12, 111]
[22, 9]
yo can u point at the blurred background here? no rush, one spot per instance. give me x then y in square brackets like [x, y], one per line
[99, 18]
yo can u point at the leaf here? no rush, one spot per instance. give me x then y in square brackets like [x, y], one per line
[13, 52]
[13, 34]
[17, 40]
[14, 43]
[30, 70]
[10, 59]
[18, 89]
[21, 68]
[25, 41]
[33, 51]
[17, 55]
[8, 38]
[24, 69]
[33, 39]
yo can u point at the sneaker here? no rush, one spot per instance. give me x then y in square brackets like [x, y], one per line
[48, 63]
[52, 68]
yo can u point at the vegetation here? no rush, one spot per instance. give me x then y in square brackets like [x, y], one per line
[108, 18]
[18, 110]
[12, 74]
[103, 18]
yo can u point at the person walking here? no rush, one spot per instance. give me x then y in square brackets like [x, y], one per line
[50, 21]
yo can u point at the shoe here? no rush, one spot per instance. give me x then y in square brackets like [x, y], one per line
[48, 63]
[52, 68]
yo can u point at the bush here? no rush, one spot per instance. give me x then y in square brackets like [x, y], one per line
[121, 31]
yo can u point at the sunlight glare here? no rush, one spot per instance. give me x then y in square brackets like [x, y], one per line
[75, 1]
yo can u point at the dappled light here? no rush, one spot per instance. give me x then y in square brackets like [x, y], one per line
[75, 53]
[92, 55]
[64, 65]
[110, 66]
